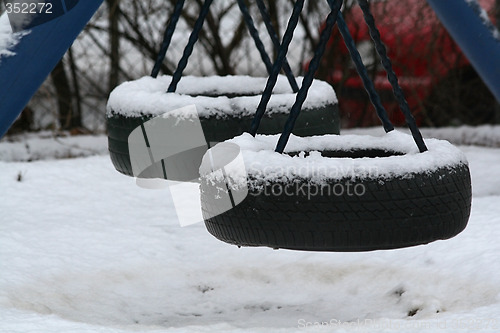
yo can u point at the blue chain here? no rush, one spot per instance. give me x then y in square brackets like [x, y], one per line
[278, 65]
[386, 62]
[193, 38]
[255, 35]
[274, 38]
[167, 37]
[309, 77]
[363, 73]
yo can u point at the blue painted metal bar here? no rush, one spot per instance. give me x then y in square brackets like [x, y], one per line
[474, 38]
[37, 53]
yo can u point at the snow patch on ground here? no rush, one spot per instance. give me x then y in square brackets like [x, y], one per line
[45, 145]
[484, 135]
[85, 250]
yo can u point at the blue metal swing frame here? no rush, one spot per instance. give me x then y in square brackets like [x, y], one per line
[37, 54]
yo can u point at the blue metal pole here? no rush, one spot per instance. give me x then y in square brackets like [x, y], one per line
[474, 38]
[36, 54]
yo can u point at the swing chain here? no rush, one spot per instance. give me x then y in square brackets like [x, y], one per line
[278, 65]
[266, 17]
[255, 35]
[167, 38]
[281, 62]
[363, 73]
[193, 38]
[309, 77]
[393, 79]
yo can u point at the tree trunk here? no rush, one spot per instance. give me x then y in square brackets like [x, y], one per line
[68, 117]
[114, 43]
[273, 12]
[77, 96]
[497, 17]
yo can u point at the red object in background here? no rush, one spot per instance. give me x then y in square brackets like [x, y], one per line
[440, 85]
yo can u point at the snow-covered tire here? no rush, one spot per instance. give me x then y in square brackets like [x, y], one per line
[225, 105]
[411, 199]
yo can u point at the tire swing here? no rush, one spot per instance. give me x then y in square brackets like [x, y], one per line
[336, 193]
[225, 104]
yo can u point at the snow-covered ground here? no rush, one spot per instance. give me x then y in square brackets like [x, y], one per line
[83, 249]
[28, 147]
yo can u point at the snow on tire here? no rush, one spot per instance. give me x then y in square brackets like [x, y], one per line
[342, 193]
[225, 105]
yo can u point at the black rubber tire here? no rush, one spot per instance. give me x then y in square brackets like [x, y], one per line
[393, 213]
[324, 120]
